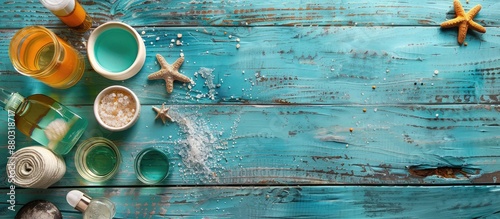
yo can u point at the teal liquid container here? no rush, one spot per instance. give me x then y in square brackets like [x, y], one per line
[44, 120]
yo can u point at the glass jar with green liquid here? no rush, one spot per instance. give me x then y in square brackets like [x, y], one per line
[44, 120]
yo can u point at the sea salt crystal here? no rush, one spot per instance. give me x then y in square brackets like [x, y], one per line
[117, 109]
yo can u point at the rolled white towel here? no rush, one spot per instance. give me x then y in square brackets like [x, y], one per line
[35, 167]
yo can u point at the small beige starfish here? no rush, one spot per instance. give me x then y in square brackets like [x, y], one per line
[162, 113]
[463, 21]
[169, 73]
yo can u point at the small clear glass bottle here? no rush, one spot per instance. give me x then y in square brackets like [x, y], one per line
[44, 120]
[97, 208]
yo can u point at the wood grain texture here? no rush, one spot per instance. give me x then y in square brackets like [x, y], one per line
[15, 14]
[274, 145]
[284, 202]
[329, 109]
[302, 65]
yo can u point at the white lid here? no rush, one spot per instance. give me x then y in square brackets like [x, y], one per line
[59, 7]
[73, 197]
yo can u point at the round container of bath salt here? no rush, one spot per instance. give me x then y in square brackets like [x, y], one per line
[117, 108]
[116, 50]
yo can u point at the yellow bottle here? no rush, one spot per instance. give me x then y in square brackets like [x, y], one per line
[70, 12]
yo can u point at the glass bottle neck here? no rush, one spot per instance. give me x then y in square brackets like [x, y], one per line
[10, 100]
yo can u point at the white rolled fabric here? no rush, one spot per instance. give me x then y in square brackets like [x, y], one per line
[35, 167]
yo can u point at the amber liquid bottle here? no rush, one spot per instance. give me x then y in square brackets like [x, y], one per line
[44, 120]
[70, 12]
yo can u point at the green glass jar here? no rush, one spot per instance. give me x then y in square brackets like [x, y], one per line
[97, 159]
[151, 166]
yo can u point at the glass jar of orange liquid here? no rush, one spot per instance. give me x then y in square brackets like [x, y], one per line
[37, 52]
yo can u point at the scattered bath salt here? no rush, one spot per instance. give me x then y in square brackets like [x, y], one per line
[172, 40]
[157, 38]
[197, 148]
[178, 43]
[436, 72]
[143, 32]
[238, 46]
[181, 54]
[237, 39]
[230, 36]
[179, 35]
[117, 109]
[207, 74]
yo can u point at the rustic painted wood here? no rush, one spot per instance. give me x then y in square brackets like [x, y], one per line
[313, 145]
[15, 14]
[284, 202]
[304, 65]
[427, 145]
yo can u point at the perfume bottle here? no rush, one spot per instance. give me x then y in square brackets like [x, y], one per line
[44, 120]
[98, 208]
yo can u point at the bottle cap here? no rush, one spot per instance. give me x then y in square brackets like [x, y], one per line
[78, 200]
[10, 100]
[59, 7]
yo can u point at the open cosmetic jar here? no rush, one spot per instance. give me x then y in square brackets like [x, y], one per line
[116, 51]
[97, 159]
[151, 166]
[117, 108]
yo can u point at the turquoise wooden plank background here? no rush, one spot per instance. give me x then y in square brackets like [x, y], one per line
[283, 105]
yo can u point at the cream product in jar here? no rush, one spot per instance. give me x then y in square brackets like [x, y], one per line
[97, 159]
[116, 50]
[101, 208]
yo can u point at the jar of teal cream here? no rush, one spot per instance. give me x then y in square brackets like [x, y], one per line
[116, 51]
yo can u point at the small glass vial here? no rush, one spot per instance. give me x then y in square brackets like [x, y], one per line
[101, 208]
[44, 120]
[97, 159]
[37, 52]
[70, 12]
[151, 166]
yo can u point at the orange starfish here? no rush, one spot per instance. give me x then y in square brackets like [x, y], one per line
[463, 21]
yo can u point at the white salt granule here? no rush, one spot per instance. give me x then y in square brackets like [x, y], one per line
[117, 109]
[197, 147]
[207, 74]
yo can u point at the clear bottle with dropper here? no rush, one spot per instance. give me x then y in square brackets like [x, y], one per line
[97, 208]
[44, 120]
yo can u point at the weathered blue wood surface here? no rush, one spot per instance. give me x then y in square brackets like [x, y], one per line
[285, 101]
[288, 201]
